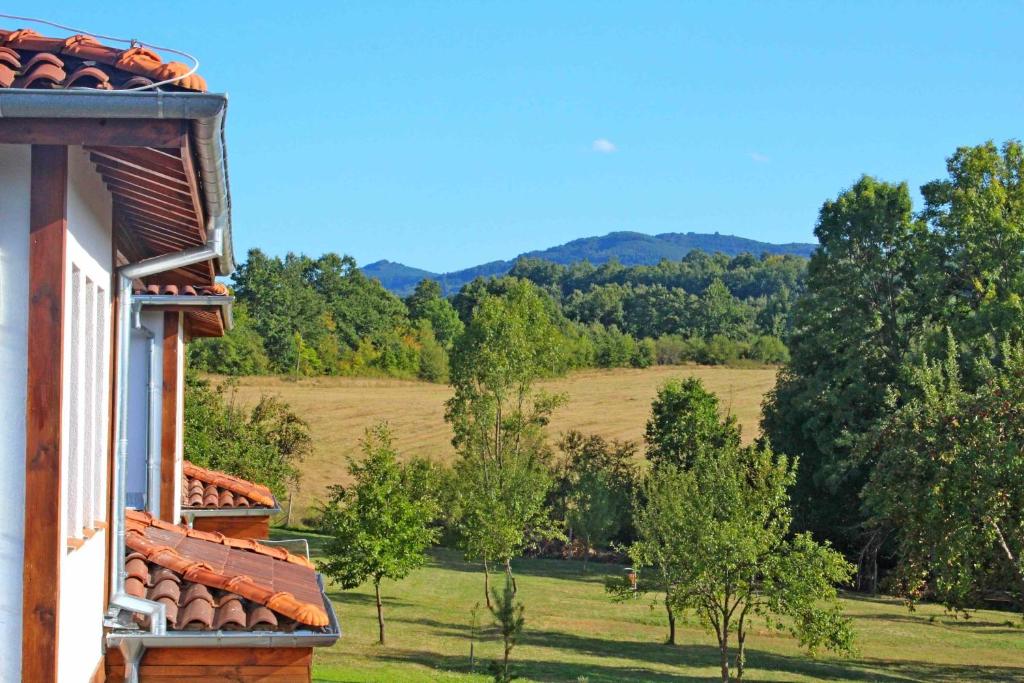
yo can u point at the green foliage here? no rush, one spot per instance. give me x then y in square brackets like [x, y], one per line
[262, 445]
[498, 422]
[718, 534]
[686, 426]
[380, 526]
[508, 617]
[883, 291]
[958, 511]
[426, 303]
[594, 488]
[851, 331]
[433, 357]
[239, 352]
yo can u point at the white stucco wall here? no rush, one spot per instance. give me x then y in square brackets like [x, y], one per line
[138, 409]
[82, 575]
[14, 216]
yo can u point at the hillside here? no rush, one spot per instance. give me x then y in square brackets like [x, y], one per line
[630, 248]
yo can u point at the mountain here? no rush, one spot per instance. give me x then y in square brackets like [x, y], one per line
[630, 248]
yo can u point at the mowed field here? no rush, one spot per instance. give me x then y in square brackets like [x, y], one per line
[612, 403]
[575, 632]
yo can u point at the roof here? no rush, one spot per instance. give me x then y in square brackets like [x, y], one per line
[208, 581]
[29, 60]
[208, 316]
[203, 488]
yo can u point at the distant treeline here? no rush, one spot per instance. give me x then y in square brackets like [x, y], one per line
[304, 316]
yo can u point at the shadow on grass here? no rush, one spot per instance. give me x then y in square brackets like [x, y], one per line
[350, 598]
[452, 560]
[642, 654]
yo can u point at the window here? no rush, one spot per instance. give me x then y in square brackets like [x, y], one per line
[88, 407]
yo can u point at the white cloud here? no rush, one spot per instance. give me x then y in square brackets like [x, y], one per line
[604, 146]
[759, 158]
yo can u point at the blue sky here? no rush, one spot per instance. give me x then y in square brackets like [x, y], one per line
[443, 135]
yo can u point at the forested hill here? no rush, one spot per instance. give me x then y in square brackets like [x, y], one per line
[629, 248]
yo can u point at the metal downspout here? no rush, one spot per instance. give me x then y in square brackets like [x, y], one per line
[119, 599]
[153, 419]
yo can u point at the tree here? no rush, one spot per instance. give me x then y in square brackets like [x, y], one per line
[685, 424]
[380, 526]
[596, 478]
[957, 514]
[593, 513]
[426, 303]
[238, 352]
[850, 333]
[498, 421]
[508, 616]
[719, 533]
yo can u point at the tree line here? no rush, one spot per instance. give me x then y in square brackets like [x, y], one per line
[303, 316]
[902, 396]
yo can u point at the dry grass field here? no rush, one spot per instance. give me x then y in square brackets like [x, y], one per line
[612, 403]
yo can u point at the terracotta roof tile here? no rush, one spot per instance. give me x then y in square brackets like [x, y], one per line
[89, 62]
[203, 488]
[211, 582]
[216, 289]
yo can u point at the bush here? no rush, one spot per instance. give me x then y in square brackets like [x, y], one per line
[644, 354]
[769, 350]
[720, 350]
[433, 357]
[262, 445]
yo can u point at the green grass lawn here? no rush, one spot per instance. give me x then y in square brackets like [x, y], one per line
[574, 630]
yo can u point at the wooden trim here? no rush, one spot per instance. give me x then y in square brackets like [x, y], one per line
[98, 132]
[99, 674]
[44, 541]
[169, 415]
[256, 527]
[112, 388]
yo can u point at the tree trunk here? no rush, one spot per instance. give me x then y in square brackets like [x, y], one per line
[723, 648]
[288, 515]
[487, 584]
[741, 637]
[508, 573]
[671, 622]
[380, 611]
[586, 553]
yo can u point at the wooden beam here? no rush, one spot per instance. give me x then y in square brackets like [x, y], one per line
[143, 183]
[193, 184]
[105, 161]
[144, 157]
[169, 416]
[100, 132]
[44, 543]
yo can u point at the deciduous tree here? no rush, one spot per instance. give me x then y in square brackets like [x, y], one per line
[380, 525]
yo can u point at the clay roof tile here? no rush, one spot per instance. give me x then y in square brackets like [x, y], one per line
[123, 68]
[43, 74]
[213, 484]
[219, 582]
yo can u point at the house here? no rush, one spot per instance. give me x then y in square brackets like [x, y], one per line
[115, 220]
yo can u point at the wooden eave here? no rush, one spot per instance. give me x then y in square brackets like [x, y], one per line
[200, 321]
[149, 169]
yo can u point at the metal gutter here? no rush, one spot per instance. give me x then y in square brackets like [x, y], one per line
[133, 642]
[231, 512]
[205, 111]
[298, 638]
[223, 301]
